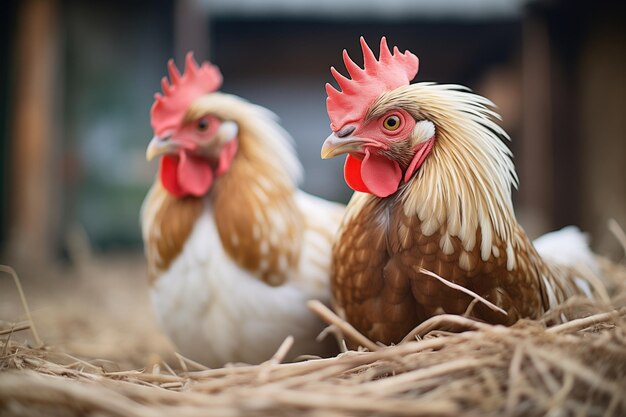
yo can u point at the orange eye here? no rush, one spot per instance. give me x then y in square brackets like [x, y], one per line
[203, 125]
[392, 123]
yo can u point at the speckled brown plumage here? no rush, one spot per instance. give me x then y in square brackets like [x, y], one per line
[260, 230]
[377, 285]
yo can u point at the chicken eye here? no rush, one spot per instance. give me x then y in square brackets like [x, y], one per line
[203, 125]
[392, 123]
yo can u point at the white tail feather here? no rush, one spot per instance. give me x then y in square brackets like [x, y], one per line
[568, 247]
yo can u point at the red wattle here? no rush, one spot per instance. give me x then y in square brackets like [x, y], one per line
[185, 174]
[374, 174]
[168, 171]
[195, 175]
[352, 174]
[380, 174]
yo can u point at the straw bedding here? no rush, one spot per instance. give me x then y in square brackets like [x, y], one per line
[450, 366]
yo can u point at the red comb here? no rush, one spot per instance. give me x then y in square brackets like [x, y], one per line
[365, 85]
[168, 109]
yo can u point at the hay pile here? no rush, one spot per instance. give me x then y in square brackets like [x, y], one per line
[573, 369]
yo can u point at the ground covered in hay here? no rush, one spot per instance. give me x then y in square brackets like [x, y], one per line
[104, 356]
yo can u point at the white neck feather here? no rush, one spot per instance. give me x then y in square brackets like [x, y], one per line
[465, 184]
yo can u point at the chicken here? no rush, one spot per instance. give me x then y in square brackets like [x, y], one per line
[433, 197]
[234, 249]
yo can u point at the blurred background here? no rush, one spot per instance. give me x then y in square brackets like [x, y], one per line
[77, 82]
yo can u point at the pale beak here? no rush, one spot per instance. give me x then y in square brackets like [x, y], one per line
[334, 145]
[160, 146]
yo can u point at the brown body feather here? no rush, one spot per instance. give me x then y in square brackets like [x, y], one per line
[172, 221]
[378, 286]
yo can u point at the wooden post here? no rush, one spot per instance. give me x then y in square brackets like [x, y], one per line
[191, 30]
[602, 86]
[535, 148]
[34, 191]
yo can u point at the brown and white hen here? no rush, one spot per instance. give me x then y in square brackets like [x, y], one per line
[234, 249]
[433, 195]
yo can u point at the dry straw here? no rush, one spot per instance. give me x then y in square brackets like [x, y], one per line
[447, 366]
